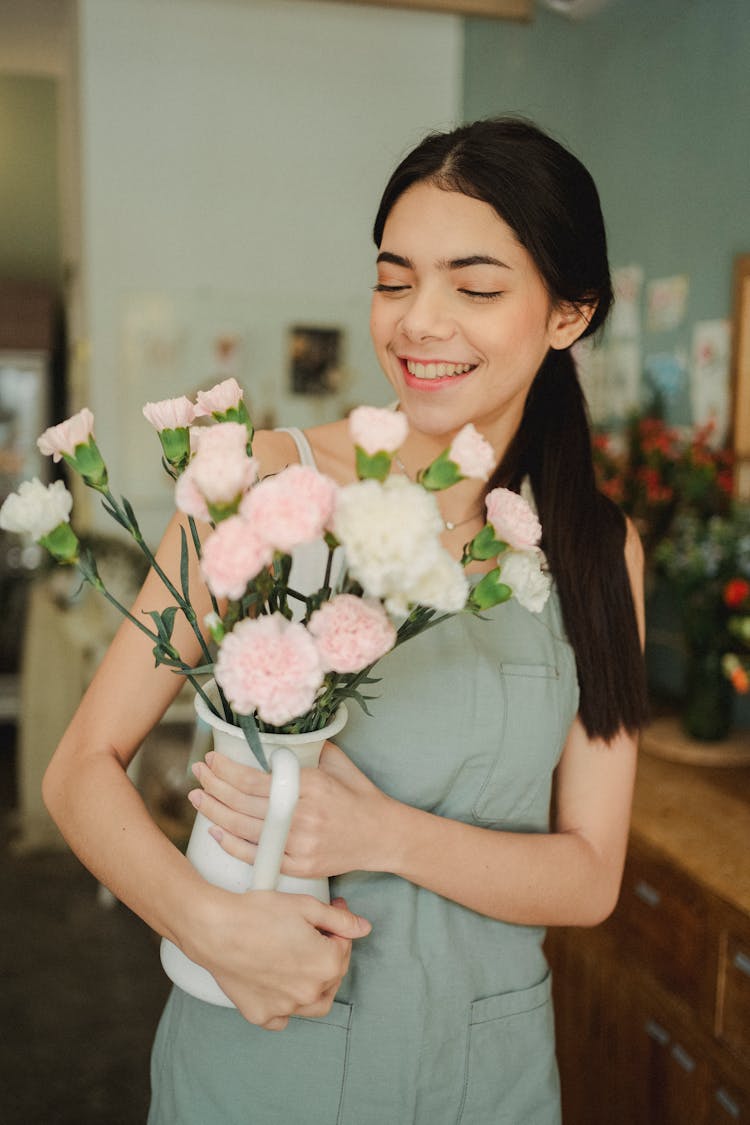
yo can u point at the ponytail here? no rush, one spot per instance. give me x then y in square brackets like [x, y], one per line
[584, 541]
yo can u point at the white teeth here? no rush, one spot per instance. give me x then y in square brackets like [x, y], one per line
[436, 370]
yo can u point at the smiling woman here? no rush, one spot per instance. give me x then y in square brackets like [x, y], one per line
[432, 818]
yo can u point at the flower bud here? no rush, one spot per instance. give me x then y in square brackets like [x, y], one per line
[215, 626]
[489, 591]
[62, 543]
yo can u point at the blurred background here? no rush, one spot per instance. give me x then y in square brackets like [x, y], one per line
[187, 190]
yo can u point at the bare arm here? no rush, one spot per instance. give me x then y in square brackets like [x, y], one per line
[570, 876]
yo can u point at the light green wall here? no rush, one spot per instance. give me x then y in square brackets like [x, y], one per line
[29, 208]
[654, 96]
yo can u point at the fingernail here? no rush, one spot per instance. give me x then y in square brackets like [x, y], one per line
[196, 769]
[217, 834]
[195, 796]
[209, 757]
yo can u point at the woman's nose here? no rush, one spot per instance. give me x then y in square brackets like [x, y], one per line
[426, 316]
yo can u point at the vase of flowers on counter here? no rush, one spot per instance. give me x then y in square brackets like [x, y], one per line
[699, 558]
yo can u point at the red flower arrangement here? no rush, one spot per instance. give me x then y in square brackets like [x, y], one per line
[737, 665]
[653, 471]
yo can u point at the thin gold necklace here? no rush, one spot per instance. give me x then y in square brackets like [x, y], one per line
[449, 525]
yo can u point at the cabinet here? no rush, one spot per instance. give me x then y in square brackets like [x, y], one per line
[653, 1007]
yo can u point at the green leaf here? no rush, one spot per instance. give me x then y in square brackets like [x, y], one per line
[112, 511]
[376, 467]
[485, 545]
[164, 622]
[168, 616]
[489, 591]
[131, 515]
[62, 543]
[87, 567]
[442, 473]
[184, 566]
[250, 730]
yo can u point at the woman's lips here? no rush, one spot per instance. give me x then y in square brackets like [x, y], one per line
[430, 375]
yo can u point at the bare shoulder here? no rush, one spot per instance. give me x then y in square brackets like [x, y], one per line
[330, 443]
[634, 557]
[333, 450]
[274, 450]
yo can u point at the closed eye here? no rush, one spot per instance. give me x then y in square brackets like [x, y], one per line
[381, 288]
[481, 296]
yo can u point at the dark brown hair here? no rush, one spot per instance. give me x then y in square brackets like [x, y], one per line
[550, 201]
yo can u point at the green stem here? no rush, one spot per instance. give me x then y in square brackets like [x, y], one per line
[329, 566]
[197, 545]
[215, 606]
[135, 532]
[102, 589]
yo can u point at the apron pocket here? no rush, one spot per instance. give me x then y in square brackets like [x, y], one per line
[510, 1075]
[530, 742]
[221, 1068]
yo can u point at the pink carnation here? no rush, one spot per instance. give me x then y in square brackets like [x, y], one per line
[513, 519]
[472, 453]
[189, 498]
[376, 430]
[170, 413]
[351, 633]
[225, 396]
[221, 469]
[270, 665]
[294, 506]
[66, 436]
[232, 556]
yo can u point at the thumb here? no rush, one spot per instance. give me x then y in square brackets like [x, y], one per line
[338, 919]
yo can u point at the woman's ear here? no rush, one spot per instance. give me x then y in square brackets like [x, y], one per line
[568, 322]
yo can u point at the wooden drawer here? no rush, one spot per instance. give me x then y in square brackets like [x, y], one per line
[733, 1010]
[662, 920]
[727, 1103]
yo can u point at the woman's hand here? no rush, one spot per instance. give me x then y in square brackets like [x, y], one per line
[274, 955]
[337, 824]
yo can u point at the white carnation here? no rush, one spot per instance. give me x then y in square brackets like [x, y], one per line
[389, 533]
[442, 586]
[522, 571]
[36, 509]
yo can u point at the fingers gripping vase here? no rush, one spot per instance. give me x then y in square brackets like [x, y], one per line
[285, 754]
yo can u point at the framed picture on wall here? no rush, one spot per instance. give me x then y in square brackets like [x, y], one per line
[314, 360]
[741, 375]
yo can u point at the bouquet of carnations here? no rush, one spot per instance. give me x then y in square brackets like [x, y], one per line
[283, 659]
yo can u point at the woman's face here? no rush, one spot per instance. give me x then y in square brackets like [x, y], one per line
[461, 320]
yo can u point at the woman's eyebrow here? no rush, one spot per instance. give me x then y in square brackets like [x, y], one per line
[452, 264]
[474, 260]
[394, 260]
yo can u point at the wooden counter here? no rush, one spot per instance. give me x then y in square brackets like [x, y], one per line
[699, 819]
[653, 1007]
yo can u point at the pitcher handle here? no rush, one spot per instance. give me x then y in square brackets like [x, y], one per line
[281, 805]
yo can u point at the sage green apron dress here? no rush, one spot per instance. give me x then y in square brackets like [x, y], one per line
[445, 1016]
